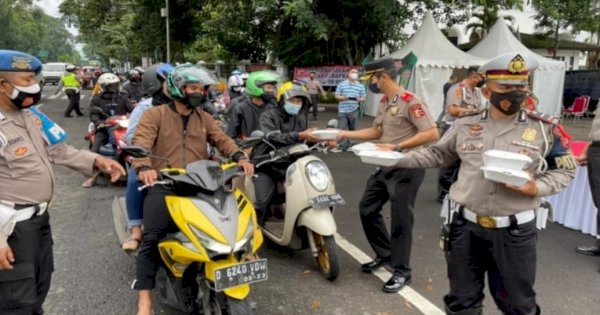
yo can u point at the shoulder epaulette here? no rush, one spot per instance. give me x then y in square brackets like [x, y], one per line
[549, 119]
[407, 96]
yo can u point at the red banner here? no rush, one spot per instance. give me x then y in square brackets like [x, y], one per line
[328, 75]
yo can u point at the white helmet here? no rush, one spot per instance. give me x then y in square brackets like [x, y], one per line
[139, 69]
[70, 68]
[107, 79]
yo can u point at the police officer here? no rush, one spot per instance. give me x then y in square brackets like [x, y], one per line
[461, 98]
[402, 122]
[591, 157]
[71, 86]
[492, 226]
[31, 144]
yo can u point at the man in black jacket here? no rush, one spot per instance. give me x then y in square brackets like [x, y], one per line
[108, 103]
[283, 125]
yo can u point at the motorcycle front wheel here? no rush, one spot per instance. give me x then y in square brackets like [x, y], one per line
[221, 304]
[328, 258]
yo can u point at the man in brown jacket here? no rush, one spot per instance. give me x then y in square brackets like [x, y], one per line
[178, 132]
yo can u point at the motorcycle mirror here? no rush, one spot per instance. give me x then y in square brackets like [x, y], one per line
[136, 151]
[257, 134]
[333, 123]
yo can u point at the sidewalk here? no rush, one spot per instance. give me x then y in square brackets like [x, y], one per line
[578, 129]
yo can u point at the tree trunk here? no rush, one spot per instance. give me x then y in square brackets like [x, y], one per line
[556, 40]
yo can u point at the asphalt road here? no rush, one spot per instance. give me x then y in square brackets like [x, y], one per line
[93, 276]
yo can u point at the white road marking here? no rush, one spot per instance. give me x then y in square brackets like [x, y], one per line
[412, 296]
[53, 96]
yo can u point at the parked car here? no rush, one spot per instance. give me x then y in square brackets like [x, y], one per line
[53, 71]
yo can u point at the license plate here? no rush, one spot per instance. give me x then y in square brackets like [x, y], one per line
[244, 273]
[326, 201]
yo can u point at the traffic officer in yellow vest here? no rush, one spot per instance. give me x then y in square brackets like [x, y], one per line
[29, 144]
[491, 226]
[71, 85]
[403, 121]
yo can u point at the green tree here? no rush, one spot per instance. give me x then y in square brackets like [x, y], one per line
[27, 28]
[554, 16]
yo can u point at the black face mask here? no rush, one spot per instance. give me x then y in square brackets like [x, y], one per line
[268, 97]
[480, 84]
[19, 96]
[373, 88]
[194, 100]
[516, 99]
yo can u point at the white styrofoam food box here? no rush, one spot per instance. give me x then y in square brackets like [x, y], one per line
[365, 146]
[381, 158]
[506, 175]
[326, 134]
[506, 159]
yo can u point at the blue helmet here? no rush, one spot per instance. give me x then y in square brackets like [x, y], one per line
[16, 61]
[154, 76]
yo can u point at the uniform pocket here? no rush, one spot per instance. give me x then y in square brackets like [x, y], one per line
[522, 235]
[18, 287]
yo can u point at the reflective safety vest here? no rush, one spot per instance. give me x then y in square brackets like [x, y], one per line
[70, 80]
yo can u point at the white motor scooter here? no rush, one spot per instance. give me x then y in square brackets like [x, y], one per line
[310, 197]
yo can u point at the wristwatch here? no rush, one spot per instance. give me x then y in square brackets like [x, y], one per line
[398, 148]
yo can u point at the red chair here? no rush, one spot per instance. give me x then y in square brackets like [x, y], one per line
[587, 105]
[578, 108]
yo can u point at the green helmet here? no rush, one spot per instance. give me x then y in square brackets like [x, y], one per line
[259, 78]
[185, 74]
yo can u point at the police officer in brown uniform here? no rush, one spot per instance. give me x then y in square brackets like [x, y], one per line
[29, 144]
[591, 157]
[492, 226]
[403, 121]
[461, 98]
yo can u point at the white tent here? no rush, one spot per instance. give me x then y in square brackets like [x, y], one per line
[437, 57]
[548, 79]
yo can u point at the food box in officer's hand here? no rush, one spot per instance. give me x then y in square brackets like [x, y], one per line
[381, 158]
[326, 134]
[506, 175]
[505, 159]
[365, 146]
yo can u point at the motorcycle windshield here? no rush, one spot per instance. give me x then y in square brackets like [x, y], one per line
[207, 174]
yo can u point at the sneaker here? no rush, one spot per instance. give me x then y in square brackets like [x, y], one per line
[336, 150]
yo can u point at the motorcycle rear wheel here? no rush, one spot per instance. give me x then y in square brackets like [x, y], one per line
[328, 258]
[221, 304]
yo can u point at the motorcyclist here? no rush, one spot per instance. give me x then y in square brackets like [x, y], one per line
[283, 125]
[154, 85]
[244, 112]
[111, 102]
[133, 86]
[235, 83]
[179, 132]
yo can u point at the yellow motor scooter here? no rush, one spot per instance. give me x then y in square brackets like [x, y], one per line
[208, 264]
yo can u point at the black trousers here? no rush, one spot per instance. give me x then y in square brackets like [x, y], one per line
[314, 105]
[400, 186]
[265, 183]
[100, 139]
[74, 98]
[24, 289]
[508, 255]
[157, 223]
[594, 177]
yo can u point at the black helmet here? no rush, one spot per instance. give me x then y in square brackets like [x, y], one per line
[154, 76]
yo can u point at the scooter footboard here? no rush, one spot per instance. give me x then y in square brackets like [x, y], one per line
[320, 221]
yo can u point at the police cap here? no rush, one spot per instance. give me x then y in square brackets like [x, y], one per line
[16, 61]
[378, 65]
[511, 68]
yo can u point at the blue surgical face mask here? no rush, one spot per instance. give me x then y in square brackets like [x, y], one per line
[292, 108]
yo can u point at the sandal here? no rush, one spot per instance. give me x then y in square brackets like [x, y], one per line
[131, 244]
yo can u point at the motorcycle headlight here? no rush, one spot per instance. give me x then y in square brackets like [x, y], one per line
[317, 175]
[210, 244]
[246, 239]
